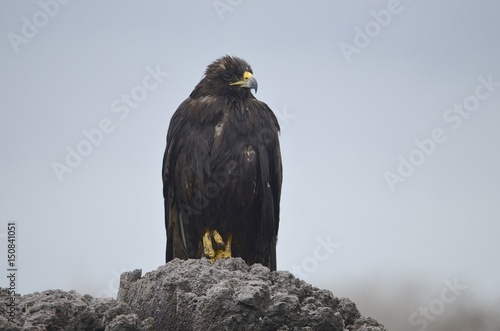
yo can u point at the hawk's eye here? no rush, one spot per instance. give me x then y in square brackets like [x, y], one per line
[228, 77]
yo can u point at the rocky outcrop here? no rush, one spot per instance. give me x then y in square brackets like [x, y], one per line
[193, 295]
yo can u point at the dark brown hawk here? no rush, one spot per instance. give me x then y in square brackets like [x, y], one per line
[222, 170]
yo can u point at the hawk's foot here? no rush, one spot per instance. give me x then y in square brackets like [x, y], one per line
[222, 250]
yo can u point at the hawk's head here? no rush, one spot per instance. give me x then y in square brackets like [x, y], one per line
[227, 76]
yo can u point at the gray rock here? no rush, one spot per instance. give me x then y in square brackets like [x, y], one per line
[229, 295]
[58, 310]
[193, 295]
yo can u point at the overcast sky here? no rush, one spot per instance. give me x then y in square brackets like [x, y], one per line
[390, 134]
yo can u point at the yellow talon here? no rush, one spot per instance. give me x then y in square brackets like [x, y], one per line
[226, 252]
[208, 247]
[218, 238]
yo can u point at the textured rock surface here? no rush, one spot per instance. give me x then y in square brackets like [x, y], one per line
[193, 295]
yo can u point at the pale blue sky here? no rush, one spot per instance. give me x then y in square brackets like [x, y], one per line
[344, 124]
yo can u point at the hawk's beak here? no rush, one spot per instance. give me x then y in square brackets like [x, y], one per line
[248, 81]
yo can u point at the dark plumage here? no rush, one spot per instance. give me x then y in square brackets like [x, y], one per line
[222, 170]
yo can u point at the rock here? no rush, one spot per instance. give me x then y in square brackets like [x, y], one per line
[229, 295]
[58, 309]
[193, 295]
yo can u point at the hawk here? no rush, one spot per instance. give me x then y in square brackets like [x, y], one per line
[222, 170]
